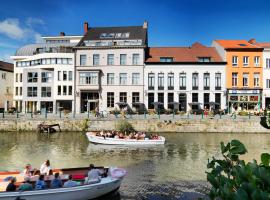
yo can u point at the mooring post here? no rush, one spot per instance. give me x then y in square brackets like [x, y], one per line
[60, 113]
[144, 115]
[46, 113]
[249, 115]
[17, 114]
[3, 114]
[173, 113]
[32, 114]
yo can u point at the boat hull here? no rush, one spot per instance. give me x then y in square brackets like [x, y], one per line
[83, 192]
[115, 141]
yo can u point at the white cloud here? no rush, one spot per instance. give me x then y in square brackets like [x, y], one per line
[38, 38]
[11, 28]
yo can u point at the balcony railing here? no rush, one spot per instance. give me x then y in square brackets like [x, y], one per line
[160, 87]
[218, 88]
[195, 87]
[206, 88]
[151, 87]
[170, 87]
[182, 87]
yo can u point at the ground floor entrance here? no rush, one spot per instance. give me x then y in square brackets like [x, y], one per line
[183, 102]
[89, 101]
[46, 106]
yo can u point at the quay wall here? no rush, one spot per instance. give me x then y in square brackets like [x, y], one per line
[149, 125]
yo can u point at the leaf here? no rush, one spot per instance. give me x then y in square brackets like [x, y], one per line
[265, 158]
[241, 195]
[237, 147]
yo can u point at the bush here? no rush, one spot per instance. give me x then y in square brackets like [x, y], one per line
[115, 112]
[232, 178]
[151, 111]
[124, 126]
[243, 113]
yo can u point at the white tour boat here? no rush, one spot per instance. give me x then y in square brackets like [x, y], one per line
[81, 192]
[92, 137]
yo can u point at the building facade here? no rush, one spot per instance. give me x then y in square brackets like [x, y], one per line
[244, 73]
[109, 67]
[188, 76]
[6, 84]
[44, 75]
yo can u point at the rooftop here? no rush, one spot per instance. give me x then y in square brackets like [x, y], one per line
[237, 44]
[5, 66]
[184, 54]
[263, 44]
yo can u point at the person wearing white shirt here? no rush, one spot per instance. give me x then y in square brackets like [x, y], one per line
[45, 168]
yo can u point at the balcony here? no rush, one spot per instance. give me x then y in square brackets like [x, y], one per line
[206, 88]
[160, 87]
[182, 88]
[54, 50]
[151, 87]
[195, 87]
[218, 88]
[170, 87]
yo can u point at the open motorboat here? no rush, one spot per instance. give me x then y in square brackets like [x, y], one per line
[93, 137]
[109, 183]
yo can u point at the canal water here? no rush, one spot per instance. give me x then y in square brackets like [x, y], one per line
[159, 172]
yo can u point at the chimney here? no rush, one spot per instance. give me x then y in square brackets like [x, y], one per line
[62, 34]
[145, 24]
[85, 27]
[252, 41]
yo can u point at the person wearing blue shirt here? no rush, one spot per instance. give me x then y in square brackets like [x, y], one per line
[70, 182]
[40, 184]
[56, 182]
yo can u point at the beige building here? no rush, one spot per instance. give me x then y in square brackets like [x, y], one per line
[6, 85]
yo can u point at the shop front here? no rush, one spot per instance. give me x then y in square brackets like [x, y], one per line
[249, 100]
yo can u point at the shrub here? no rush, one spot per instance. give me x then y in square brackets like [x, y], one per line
[151, 111]
[243, 113]
[115, 112]
[232, 178]
[124, 126]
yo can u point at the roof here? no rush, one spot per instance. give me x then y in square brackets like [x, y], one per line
[237, 44]
[5, 66]
[183, 54]
[263, 44]
[135, 33]
[30, 49]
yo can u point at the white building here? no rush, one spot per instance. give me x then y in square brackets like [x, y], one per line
[184, 75]
[109, 67]
[44, 75]
[266, 73]
[6, 85]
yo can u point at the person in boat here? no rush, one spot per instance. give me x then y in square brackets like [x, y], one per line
[45, 168]
[56, 182]
[40, 184]
[11, 187]
[27, 170]
[70, 182]
[94, 173]
[26, 186]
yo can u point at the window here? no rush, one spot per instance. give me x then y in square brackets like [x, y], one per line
[135, 59]
[46, 92]
[234, 79]
[267, 63]
[195, 97]
[20, 90]
[110, 59]
[32, 91]
[256, 61]
[70, 75]
[123, 59]
[195, 81]
[123, 97]
[64, 61]
[171, 81]
[206, 81]
[59, 76]
[4, 75]
[151, 99]
[53, 61]
[245, 61]
[122, 79]
[234, 60]
[151, 81]
[182, 81]
[89, 78]
[110, 79]
[20, 77]
[268, 83]
[135, 78]
[204, 59]
[16, 79]
[256, 79]
[59, 90]
[64, 75]
[96, 59]
[70, 61]
[161, 81]
[160, 100]
[135, 97]
[64, 90]
[69, 90]
[245, 79]
[32, 77]
[218, 81]
[170, 100]
[166, 59]
[59, 61]
[110, 99]
[82, 60]
[217, 100]
[16, 91]
[46, 77]
[206, 99]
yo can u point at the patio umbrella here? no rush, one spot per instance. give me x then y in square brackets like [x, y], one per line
[121, 103]
[157, 104]
[174, 103]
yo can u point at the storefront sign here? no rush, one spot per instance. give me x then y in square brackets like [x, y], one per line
[244, 91]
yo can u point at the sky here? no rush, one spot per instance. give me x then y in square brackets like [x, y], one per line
[171, 22]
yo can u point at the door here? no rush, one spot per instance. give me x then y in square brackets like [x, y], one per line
[183, 102]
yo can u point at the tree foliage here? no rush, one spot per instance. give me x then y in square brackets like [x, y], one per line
[233, 179]
[124, 126]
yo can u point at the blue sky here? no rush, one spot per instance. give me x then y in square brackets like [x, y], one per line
[171, 22]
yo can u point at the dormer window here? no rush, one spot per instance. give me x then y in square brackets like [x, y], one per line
[204, 59]
[166, 59]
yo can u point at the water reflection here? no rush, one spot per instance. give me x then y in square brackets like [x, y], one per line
[182, 159]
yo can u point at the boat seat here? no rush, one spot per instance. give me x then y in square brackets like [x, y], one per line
[78, 177]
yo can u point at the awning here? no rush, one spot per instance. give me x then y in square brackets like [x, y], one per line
[121, 103]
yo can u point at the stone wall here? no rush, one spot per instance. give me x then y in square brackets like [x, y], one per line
[184, 125]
